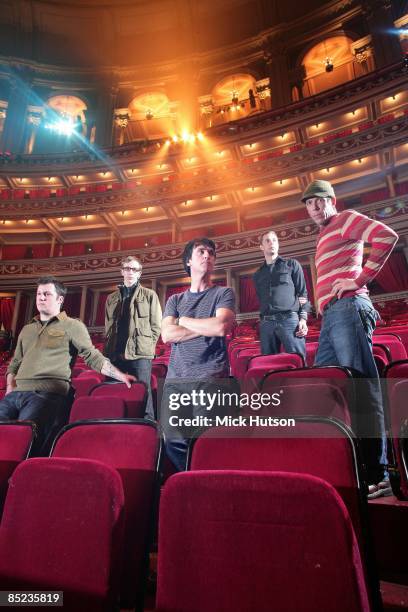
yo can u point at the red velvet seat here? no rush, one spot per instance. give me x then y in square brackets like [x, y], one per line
[394, 344]
[135, 397]
[16, 438]
[320, 447]
[248, 541]
[85, 382]
[89, 407]
[133, 447]
[311, 350]
[62, 529]
[159, 369]
[398, 410]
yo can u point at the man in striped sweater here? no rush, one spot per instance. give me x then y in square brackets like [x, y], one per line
[349, 317]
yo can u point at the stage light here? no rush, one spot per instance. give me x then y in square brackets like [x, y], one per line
[149, 114]
[200, 136]
[63, 125]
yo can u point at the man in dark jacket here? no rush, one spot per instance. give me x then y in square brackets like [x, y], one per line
[132, 326]
[281, 289]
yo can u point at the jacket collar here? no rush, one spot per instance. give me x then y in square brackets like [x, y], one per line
[61, 316]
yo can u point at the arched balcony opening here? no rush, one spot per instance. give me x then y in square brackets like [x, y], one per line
[61, 127]
[147, 117]
[232, 98]
[330, 63]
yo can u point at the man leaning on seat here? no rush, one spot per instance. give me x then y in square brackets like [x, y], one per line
[39, 374]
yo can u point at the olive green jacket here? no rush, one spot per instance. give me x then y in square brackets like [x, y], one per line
[144, 323]
[44, 353]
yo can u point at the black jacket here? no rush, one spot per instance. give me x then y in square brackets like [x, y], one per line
[279, 288]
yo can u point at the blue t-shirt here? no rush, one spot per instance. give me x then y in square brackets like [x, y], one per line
[200, 357]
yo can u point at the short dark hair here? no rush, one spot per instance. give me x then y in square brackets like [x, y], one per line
[262, 236]
[190, 246]
[51, 280]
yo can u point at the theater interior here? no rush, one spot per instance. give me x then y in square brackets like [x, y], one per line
[129, 128]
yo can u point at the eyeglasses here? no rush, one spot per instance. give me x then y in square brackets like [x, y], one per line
[129, 269]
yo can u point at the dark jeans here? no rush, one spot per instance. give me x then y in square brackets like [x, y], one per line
[49, 411]
[346, 340]
[281, 331]
[142, 369]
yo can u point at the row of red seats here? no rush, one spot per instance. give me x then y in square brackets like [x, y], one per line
[271, 522]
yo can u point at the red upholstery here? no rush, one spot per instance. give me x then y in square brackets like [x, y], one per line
[398, 408]
[133, 448]
[231, 541]
[84, 383]
[307, 398]
[398, 369]
[15, 444]
[237, 348]
[280, 361]
[89, 407]
[159, 369]
[397, 349]
[241, 358]
[311, 350]
[62, 529]
[135, 398]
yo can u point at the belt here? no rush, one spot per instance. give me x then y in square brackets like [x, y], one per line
[277, 316]
[330, 304]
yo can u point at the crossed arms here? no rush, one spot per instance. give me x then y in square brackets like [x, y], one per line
[188, 328]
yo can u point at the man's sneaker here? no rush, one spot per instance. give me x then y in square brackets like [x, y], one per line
[382, 489]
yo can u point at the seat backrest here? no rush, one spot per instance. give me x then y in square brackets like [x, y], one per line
[84, 383]
[276, 362]
[62, 529]
[159, 369]
[135, 397]
[16, 438]
[397, 369]
[311, 350]
[89, 407]
[382, 350]
[398, 410]
[393, 342]
[133, 448]
[291, 533]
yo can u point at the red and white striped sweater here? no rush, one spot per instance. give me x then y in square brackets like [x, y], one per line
[339, 253]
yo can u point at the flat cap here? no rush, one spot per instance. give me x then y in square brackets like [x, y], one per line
[318, 189]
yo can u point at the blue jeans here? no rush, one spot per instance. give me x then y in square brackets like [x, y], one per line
[49, 411]
[346, 340]
[281, 331]
[142, 369]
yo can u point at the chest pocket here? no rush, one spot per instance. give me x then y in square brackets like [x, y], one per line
[54, 338]
[143, 325]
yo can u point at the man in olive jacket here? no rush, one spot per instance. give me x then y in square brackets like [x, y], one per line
[132, 326]
[39, 375]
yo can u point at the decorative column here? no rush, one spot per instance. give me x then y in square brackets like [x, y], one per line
[96, 296]
[387, 47]
[104, 114]
[154, 284]
[83, 303]
[121, 120]
[162, 296]
[16, 313]
[313, 274]
[277, 68]
[15, 122]
[362, 50]
[34, 118]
